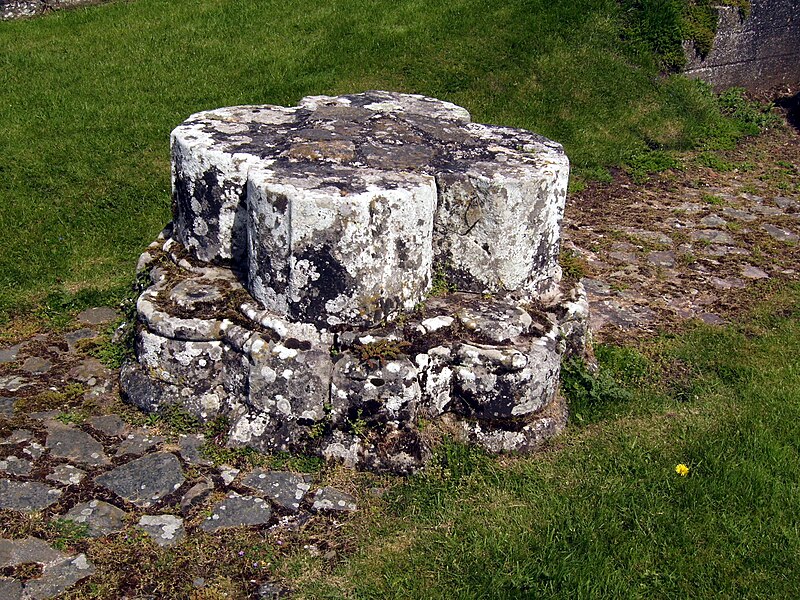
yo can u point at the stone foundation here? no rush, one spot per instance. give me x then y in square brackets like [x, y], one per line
[292, 294]
[759, 52]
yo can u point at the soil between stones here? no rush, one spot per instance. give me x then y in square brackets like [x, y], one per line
[636, 246]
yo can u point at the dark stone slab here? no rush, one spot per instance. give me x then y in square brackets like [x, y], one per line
[285, 489]
[330, 499]
[10, 354]
[59, 577]
[97, 316]
[237, 511]
[66, 475]
[189, 449]
[101, 517]
[28, 496]
[13, 465]
[6, 407]
[196, 494]
[146, 480]
[36, 365]
[137, 443]
[10, 589]
[780, 234]
[73, 337]
[13, 383]
[110, 425]
[77, 446]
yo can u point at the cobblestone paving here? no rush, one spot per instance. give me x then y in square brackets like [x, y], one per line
[689, 244]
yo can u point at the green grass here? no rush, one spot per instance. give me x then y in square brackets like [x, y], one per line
[88, 98]
[603, 513]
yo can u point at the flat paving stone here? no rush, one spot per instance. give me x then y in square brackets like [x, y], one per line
[6, 407]
[145, 480]
[58, 577]
[237, 511]
[661, 258]
[786, 203]
[36, 365]
[10, 354]
[13, 465]
[189, 449]
[712, 319]
[110, 425]
[285, 489]
[714, 221]
[13, 383]
[228, 473]
[752, 272]
[137, 443]
[27, 496]
[65, 441]
[19, 436]
[27, 550]
[34, 450]
[195, 495]
[727, 283]
[739, 215]
[73, 337]
[712, 236]
[782, 235]
[10, 589]
[165, 530]
[66, 475]
[330, 499]
[91, 372]
[101, 517]
[97, 316]
[767, 211]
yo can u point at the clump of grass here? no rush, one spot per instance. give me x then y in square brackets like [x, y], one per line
[441, 284]
[377, 354]
[64, 533]
[572, 265]
[68, 398]
[641, 166]
[712, 199]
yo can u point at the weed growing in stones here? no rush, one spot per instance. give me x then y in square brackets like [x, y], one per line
[572, 265]
[70, 397]
[712, 199]
[66, 532]
[377, 354]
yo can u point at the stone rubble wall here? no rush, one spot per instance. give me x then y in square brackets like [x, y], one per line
[760, 52]
[20, 9]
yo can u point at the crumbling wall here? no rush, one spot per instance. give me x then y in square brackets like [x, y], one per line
[760, 52]
[20, 9]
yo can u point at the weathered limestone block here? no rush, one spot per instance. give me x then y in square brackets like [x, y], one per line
[199, 375]
[373, 394]
[291, 294]
[331, 255]
[506, 383]
[331, 205]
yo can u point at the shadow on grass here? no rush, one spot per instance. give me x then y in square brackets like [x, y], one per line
[792, 106]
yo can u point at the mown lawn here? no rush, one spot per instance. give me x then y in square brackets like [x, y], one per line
[603, 513]
[88, 98]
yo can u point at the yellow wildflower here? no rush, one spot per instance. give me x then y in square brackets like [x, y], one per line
[682, 470]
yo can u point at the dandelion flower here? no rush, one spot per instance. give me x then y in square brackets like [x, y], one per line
[682, 470]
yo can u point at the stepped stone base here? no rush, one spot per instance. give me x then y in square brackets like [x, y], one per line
[292, 294]
[485, 370]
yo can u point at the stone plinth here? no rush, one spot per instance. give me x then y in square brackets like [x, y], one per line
[291, 292]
